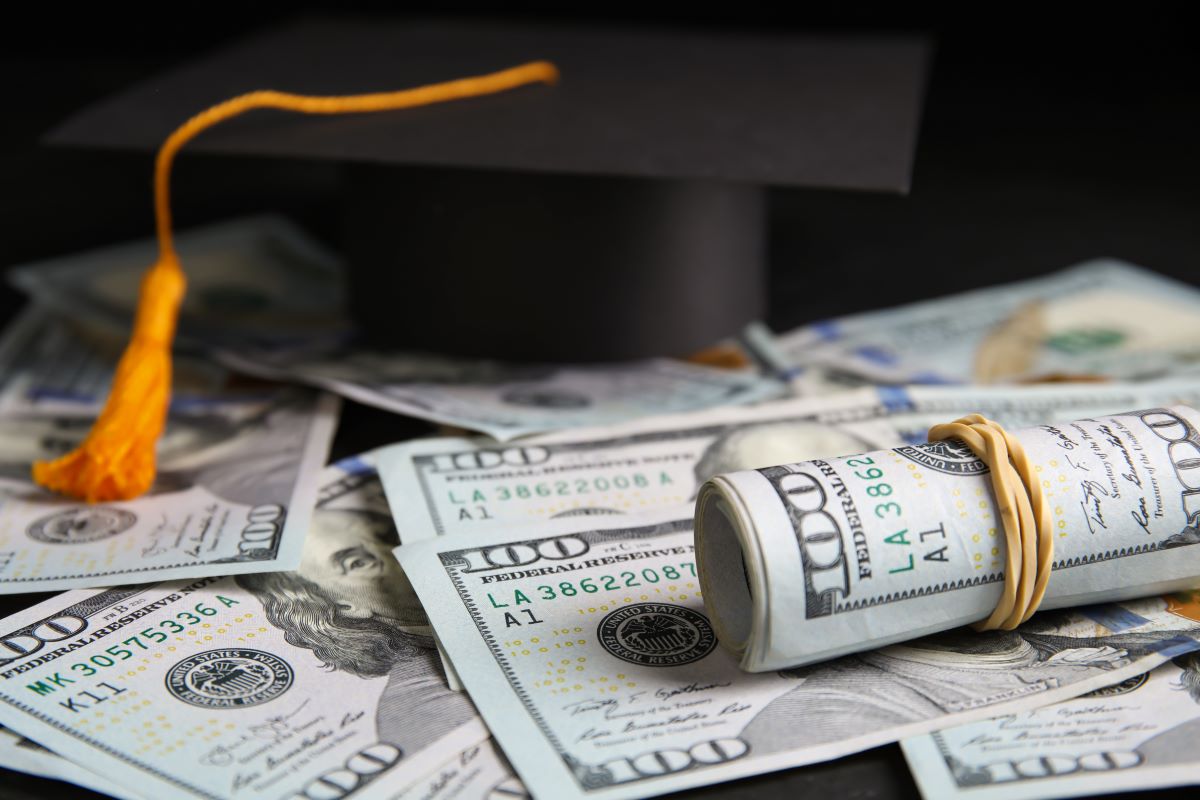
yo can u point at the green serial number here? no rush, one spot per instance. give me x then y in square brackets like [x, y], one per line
[124, 651]
[566, 488]
[883, 508]
[613, 583]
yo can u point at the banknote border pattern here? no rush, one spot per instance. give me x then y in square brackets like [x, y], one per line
[430, 503]
[269, 556]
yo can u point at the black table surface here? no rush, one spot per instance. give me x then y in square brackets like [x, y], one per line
[1044, 143]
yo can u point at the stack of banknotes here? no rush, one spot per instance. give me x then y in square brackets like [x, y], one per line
[513, 606]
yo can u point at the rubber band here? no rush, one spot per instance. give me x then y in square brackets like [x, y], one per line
[1024, 514]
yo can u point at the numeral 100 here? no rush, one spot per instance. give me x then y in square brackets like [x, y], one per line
[666, 762]
[518, 555]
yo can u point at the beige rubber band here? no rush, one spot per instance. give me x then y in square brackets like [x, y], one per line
[1023, 512]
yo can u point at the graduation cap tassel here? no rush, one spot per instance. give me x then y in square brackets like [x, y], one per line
[117, 459]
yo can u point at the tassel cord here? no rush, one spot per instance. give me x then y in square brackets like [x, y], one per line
[117, 459]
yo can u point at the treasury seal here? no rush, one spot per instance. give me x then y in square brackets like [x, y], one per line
[657, 634]
[951, 457]
[80, 525]
[229, 678]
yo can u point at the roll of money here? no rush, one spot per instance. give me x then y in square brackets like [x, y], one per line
[804, 562]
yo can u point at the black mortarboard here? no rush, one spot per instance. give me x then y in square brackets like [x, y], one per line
[620, 213]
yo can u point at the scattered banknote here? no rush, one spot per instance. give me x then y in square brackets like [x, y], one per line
[1135, 735]
[587, 649]
[803, 562]
[1099, 319]
[22, 755]
[252, 281]
[505, 400]
[446, 485]
[234, 492]
[316, 683]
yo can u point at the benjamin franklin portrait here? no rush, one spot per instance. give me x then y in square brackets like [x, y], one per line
[351, 605]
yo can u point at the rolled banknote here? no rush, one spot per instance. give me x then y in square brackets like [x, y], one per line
[442, 486]
[804, 562]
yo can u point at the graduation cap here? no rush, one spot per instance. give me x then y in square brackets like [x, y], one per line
[620, 212]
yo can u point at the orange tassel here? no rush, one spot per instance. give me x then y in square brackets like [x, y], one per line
[117, 459]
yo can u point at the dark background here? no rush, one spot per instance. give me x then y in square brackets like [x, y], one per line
[1047, 139]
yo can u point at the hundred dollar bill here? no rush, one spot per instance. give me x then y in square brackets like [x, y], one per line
[505, 400]
[251, 281]
[233, 494]
[313, 683]
[804, 562]
[448, 485]
[1101, 318]
[588, 651]
[1135, 735]
[22, 755]
[235, 488]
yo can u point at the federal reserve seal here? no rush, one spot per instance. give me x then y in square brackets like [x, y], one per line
[80, 525]
[657, 634]
[951, 457]
[229, 678]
